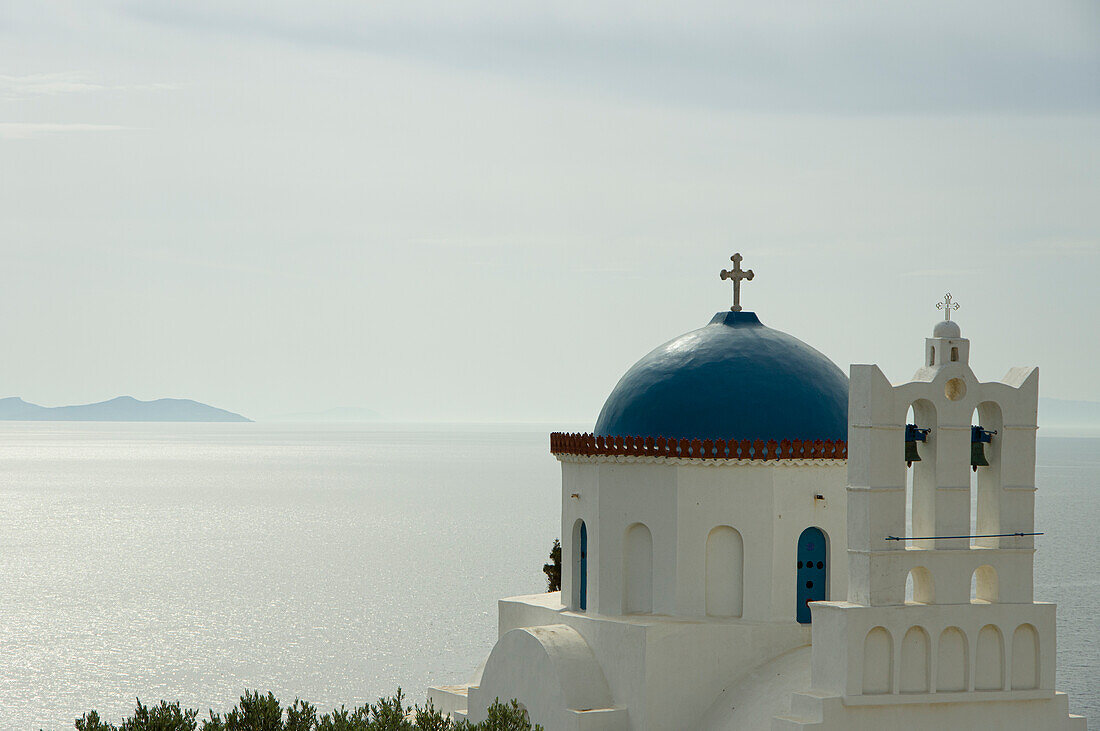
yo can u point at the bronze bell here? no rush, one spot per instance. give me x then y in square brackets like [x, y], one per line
[978, 437]
[977, 456]
[913, 434]
[911, 453]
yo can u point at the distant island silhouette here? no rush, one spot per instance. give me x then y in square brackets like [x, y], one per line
[123, 408]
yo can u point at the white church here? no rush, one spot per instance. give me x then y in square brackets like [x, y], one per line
[752, 540]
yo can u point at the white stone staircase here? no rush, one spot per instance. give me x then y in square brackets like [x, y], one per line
[807, 711]
[451, 700]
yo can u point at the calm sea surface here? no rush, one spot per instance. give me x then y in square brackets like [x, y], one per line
[191, 562]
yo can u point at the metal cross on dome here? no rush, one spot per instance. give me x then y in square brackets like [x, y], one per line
[737, 274]
[947, 305]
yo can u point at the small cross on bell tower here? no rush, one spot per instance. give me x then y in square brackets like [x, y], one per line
[947, 305]
[737, 274]
[947, 345]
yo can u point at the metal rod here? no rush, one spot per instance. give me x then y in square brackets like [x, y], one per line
[944, 538]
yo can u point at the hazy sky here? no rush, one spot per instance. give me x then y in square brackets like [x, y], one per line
[489, 209]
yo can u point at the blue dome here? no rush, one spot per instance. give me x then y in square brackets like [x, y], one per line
[734, 378]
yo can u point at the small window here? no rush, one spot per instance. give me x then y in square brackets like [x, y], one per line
[954, 354]
[932, 358]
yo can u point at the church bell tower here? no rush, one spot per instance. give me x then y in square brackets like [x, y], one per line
[940, 616]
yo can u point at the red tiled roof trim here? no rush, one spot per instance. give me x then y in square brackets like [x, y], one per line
[589, 445]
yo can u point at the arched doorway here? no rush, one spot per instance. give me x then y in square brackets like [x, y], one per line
[582, 597]
[811, 572]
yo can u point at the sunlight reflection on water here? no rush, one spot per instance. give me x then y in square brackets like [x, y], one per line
[191, 562]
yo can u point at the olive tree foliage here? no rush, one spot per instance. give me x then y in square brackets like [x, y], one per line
[257, 712]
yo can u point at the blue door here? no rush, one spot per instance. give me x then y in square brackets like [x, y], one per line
[811, 572]
[582, 600]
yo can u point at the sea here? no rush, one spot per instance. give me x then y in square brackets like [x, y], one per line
[332, 563]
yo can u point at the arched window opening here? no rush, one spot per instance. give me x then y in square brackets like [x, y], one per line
[932, 356]
[725, 572]
[920, 587]
[986, 480]
[983, 585]
[954, 353]
[978, 449]
[579, 588]
[910, 475]
[638, 570]
[921, 483]
[811, 572]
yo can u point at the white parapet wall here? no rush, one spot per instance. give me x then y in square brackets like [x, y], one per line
[930, 653]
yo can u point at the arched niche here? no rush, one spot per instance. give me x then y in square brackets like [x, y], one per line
[878, 662]
[1025, 658]
[725, 572]
[984, 586]
[637, 570]
[579, 547]
[916, 651]
[989, 660]
[920, 498]
[920, 586]
[952, 667]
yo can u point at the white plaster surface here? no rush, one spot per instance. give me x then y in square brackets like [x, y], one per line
[555, 674]
[691, 568]
[755, 699]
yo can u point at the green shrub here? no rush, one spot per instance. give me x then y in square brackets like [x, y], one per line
[257, 712]
[553, 569]
[502, 717]
[165, 717]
